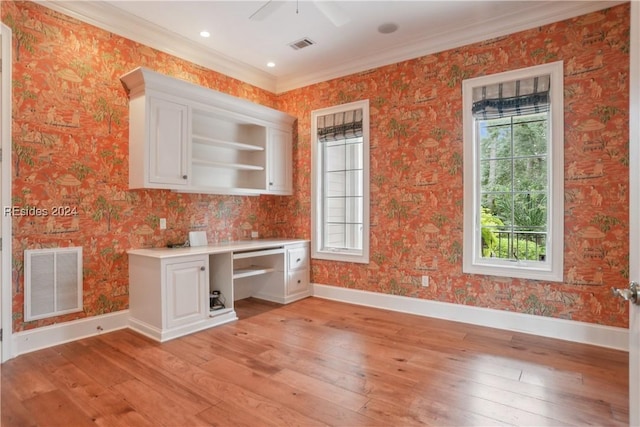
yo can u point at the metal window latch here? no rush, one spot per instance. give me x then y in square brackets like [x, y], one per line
[630, 294]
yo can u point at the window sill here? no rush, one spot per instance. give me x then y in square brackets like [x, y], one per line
[341, 256]
[518, 271]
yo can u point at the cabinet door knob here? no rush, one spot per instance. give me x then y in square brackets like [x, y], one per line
[271, 183]
[298, 260]
[184, 176]
[299, 281]
[202, 268]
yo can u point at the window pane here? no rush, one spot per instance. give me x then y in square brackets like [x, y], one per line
[353, 236]
[530, 135]
[495, 138]
[336, 210]
[530, 174]
[344, 184]
[336, 183]
[353, 152]
[500, 205]
[334, 157]
[335, 237]
[530, 212]
[496, 175]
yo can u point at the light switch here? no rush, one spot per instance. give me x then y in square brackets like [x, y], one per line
[163, 223]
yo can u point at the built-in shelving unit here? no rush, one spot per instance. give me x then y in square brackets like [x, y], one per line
[189, 138]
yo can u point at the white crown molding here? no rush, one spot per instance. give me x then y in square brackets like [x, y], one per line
[540, 13]
[568, 330]
[110, 18]
[107, 17]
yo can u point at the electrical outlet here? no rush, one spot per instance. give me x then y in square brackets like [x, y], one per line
[425, 281]
[163, 223]
[254, 234]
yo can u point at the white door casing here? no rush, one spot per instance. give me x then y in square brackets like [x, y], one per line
[634, 213]
[5, 194]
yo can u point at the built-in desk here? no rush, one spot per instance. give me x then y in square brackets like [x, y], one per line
[169, 289]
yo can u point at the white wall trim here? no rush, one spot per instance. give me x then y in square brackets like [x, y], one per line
[568, 330]
[60, 333]
[6, 299]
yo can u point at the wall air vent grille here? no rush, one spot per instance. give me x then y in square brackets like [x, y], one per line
[52, 282]
[301, 44]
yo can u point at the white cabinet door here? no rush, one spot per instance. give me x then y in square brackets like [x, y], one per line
[279, 165]
[186, 292]
[168, 142]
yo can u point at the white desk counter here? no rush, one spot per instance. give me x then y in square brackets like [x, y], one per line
[169, 288]
[218, 248]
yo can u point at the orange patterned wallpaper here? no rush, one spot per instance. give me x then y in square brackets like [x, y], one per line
[70, 130]
[70, 139]
[416, 171]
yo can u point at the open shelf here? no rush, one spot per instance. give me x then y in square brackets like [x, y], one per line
[216, 142]
[236, 166]
[253, 270]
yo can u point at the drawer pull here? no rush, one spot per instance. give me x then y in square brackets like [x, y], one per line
[299, 281]
[202, 268]
[298, 260]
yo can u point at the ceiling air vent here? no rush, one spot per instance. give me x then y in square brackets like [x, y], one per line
[301, 44]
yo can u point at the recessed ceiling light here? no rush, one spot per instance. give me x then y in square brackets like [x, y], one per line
[204, 33]
[388, 28]
[271, 64]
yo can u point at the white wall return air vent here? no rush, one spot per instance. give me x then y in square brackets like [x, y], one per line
[52, 282]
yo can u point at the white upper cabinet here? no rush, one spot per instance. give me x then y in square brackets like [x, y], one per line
[187, 138]
[166, 161]
[279, 162]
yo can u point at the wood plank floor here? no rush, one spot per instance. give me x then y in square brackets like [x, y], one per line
[317, 363]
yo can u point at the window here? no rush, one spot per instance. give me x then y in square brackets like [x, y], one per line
[340, 182]
[514, 173]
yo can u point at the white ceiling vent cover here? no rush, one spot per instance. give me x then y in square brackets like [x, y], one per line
[302, 43]
[52, 282]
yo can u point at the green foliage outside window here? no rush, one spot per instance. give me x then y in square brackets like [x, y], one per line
[514, 186]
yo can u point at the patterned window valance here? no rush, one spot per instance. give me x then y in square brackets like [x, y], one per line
[515, 98]
[334, 127]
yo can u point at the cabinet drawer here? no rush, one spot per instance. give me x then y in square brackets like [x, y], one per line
[298, 281]
[298, 258]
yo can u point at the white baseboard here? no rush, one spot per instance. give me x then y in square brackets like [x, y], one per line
[568, 330]
[582, 332]
[60, 333]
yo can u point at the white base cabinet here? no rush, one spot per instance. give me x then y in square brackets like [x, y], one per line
[292, 281]
[169, 289]
[169, 297]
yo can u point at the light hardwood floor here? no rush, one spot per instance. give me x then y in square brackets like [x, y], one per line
[318, 362]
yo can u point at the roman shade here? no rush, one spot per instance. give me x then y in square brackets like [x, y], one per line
[343, 125]
[514, 98]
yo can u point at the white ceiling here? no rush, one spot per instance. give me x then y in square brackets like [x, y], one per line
[241, 47]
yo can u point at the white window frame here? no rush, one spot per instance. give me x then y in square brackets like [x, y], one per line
[552, 269]
[317, 223]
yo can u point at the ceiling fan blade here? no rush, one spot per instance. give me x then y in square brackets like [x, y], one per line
[265, 10]
[333, 12]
